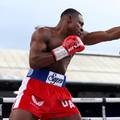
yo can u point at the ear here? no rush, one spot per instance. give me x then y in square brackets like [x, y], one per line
[69, 19]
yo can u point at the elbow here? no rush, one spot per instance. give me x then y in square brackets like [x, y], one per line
[33, 63]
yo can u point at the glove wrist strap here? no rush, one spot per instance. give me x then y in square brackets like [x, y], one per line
[59, 53]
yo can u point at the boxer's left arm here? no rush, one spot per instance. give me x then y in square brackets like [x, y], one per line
[101, 36]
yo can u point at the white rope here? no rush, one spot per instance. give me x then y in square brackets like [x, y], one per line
[8, 100]
[112, 100]
[100, 118]
[91, 118]
[81, 100]
[87, 100]
[95, 100]
[77, 100]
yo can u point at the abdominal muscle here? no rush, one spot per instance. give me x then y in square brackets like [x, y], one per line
[60, 66]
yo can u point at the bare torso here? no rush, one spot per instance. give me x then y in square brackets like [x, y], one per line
[59, 66]
[44, 40]
[53, 41]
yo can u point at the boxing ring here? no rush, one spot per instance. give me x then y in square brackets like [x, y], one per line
[102, 101]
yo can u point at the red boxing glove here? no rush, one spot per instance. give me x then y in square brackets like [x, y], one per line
[70, 46]
[73, 44]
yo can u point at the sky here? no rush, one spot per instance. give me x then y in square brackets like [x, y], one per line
[18, 19]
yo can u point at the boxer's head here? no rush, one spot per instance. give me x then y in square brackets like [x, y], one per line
[70, 11]
[73, 21]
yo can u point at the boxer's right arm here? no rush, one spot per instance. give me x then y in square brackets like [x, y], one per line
[39, 57]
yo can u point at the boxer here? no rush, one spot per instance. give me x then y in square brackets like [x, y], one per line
[43, 94]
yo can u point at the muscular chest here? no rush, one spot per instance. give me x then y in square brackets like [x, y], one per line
[54, 43]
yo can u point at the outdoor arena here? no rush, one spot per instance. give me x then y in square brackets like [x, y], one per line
[93, 80]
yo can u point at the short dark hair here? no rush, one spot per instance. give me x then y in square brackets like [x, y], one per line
[69, 11]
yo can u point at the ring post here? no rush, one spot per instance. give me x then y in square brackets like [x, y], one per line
[104, 109]
[1, 103]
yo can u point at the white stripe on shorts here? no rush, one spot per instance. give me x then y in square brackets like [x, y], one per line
[20, 92]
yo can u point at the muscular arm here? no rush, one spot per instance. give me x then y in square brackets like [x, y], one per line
[101, 36]
[39, 57]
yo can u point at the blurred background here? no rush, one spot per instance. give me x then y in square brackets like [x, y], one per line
[19, 18]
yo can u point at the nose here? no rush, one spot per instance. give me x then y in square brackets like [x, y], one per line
[81, 28]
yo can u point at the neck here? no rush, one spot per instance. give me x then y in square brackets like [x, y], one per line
[61, 29]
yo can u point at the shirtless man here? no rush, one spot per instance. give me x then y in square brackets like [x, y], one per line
[43, 94]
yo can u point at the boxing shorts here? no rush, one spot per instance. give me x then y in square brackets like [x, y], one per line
[44, 94]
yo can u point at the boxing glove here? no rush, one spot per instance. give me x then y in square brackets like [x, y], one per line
[70, 46]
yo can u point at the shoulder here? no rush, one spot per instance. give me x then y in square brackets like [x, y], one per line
[84, 35]
[41, 33]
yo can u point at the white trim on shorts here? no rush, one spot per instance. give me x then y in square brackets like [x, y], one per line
[20, 92]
